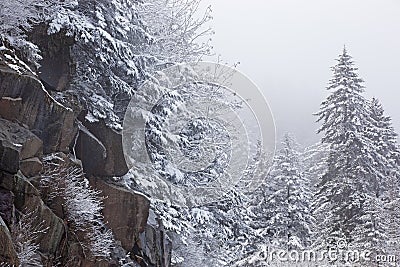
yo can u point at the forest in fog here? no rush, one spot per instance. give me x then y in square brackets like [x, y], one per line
[84, 184]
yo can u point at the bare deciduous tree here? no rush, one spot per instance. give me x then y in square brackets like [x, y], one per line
[24, 234]
[82, 206]
[178, 31]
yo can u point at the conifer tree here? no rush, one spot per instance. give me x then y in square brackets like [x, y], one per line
[385, 139]
[284, 211]
[315, 162]
[347, 192]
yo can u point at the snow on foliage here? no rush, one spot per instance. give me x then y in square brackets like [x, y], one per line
[177, 29]
[173, 218]
[109, 64]
[362, 164]
[81, 204]
[117, 44]
[16, 19]
[24, 234]
[19, 17]
[280, 208]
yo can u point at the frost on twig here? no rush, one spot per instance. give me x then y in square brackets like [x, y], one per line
[25, 233]
[81, 206]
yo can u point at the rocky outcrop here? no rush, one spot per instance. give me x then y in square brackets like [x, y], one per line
[27, 199]
[125, 212]
[20, 149]
[45, 117]
[34, 125]
[10, 108]
[155, 243]
[16, 143]
[56, 66]
[31, 167]
[24, 142]
[7, 206]
[100, 149]
[9, 158]
[7, 252]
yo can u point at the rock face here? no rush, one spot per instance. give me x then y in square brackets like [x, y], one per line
[25, 142]
[10, 108]
[56, 64]
[31, 167]
[27, 199]
[33, 125]
[49, 120]
[155, 243]
[6, 206]
[9, 158]
[125, 212]
[19, 139]
[7, 252]
[100, 149]
[16, 143]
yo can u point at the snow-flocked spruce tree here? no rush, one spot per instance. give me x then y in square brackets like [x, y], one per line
[227, 233]
[385, 139]
[347, 193]
[280, 209]
[284, 217]
[314, 162]
[108, 63]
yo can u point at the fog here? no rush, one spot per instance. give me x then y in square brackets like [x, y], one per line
[287, 49]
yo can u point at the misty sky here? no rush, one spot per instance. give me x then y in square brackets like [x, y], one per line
[287, 49]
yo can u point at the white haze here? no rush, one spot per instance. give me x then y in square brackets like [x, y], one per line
[288, 46]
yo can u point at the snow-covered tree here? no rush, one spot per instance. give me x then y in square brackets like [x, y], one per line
[109, 66]
[346, 197]
[280, 214]
[222, 228]
[388, 193]
[187, 252]
[385, 140]
[315, 165]
[283, 215]
[391, 222]
[177, 221]
[314, 162]
[177, 28]
[18, 17]
[215, 234]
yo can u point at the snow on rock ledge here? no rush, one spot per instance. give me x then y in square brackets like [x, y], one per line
[49, 120]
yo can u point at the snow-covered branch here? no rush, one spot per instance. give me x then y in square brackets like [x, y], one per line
[82, 207]
[24, 234]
